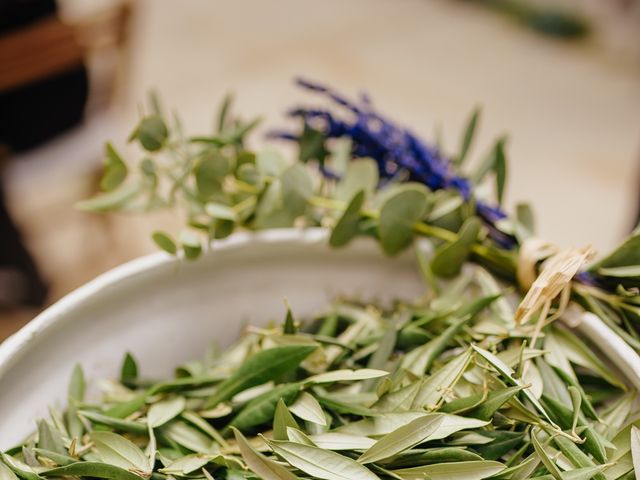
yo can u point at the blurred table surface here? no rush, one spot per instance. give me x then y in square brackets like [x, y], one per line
[572, 110]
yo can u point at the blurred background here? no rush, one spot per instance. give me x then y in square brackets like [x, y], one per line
[74, 73]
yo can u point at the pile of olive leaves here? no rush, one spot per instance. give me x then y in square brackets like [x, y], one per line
[451, 387]
[443, 389]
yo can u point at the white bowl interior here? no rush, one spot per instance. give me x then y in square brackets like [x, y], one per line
[167, 311]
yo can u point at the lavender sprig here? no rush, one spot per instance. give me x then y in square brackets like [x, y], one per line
[394, 148]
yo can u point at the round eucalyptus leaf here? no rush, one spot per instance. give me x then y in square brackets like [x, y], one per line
[190, 244]
[210, 173]
[152, 133]
[165, 242]
[296, 189]
[398, 214]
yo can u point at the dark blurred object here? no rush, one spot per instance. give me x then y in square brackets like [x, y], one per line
[43, 92]
[549, 21]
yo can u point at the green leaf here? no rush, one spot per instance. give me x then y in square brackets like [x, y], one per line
[189, 437]
[261, 409]
[398, 215]
[223, 112]
[296, 189]
[6, 473]
[500, 167]
[621, 272]
[342, 441]
[164, 411]
[307, 408]
[282, 420]
[579, 353]
[110, 200]
[346, 375]
[116, 450]
[493, 402]
[546, 460]
[525, 221]
[220, 211]
[419, 360]
[508, 373]
[320, 463]
[187, 464]
[347, 226]
[92, 469]
[635, 447]
[20, 468]
[494, 161]
[190, 245]
[467, 138]
[270, 162]
[474, 470]
[117, 423]
[312, 145]
[450, 257]
[61, 459]
[361, 175]
[164, 242]
[627, 254]
[260, 368]
[129, 369]
[124, 409]
[151, 132]
[266, 468]
[49, 438]
[402, 439]
[210, 172]
[575, 455]
[435, 386]
[115, 170]
[77, 385]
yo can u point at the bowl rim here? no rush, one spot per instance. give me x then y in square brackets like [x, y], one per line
[31, 332]
[610, 343]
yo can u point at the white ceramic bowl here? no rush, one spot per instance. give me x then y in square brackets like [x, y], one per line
[167, 311]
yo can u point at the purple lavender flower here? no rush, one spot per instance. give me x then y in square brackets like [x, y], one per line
[394, 148]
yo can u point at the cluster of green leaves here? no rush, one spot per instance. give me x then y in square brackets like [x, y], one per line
[222, 186]
[444, 389]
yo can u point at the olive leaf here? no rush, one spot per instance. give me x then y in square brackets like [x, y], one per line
[164, 411]
[282, 419]
[346, 375]
[92, 469]
[403, 438]
[258, 463]
[450, 257]
[474, 470]
[262, 409]
[260, 368]
[347, 225]
[187, 464]
[307, 408]
[320, 463]
[116, 450]
[115, 170]
[635, 447]
[129, 369]
[467, 138]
